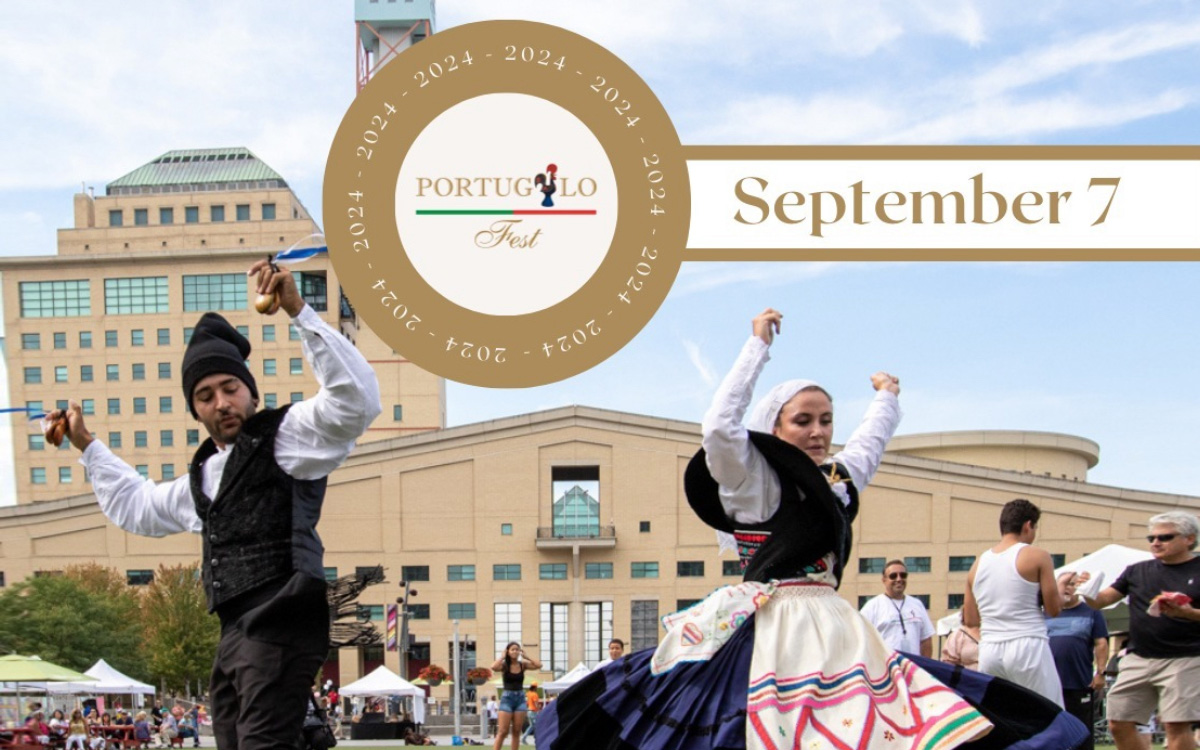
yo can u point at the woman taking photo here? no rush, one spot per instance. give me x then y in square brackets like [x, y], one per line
[513, 708]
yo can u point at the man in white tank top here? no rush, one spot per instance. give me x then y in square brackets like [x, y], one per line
[1002, 598]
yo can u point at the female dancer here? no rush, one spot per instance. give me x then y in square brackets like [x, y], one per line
[512, 665]
[781, 661]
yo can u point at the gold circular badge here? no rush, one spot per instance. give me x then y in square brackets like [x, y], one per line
[506, 204]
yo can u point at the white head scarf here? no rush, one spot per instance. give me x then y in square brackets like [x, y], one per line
[766, 411]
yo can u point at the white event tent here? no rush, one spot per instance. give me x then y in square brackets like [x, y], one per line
[384, 681]
[108, 682]
[577, 673]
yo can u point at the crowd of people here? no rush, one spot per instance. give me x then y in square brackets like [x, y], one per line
[89, 728]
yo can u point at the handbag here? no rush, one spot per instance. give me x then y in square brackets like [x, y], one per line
[318, 736]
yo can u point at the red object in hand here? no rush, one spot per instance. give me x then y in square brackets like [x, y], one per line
[1176, 598]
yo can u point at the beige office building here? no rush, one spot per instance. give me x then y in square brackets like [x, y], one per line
[105, 321]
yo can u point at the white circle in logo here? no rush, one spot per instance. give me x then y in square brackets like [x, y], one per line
[481, 227]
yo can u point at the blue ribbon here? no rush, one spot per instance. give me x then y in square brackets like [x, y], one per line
[33, 413]
[295, 255]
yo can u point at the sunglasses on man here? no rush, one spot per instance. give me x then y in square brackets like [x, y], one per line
[1152, 538]
[894, 576]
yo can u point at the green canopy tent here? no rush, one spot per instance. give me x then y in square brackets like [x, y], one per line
[17, 669]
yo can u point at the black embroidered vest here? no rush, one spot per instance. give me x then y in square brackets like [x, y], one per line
[811, 520]
[261, 526]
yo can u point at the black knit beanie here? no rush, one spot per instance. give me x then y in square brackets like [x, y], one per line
[216, 347]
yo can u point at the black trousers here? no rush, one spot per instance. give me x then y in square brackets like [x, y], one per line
[1081, 704]
[266, 662]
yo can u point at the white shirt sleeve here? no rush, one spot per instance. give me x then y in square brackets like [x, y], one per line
[749, 488]
[136, 504]
[864, 450]
[318, 434]
[927, 630]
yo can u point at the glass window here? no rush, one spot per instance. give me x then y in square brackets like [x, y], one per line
[313, 290]
[296, 365]
[954, 601]
[143, 470]
[60, 341]
[164, 370]
[31, 341]
[116, 217]
[370, 611]
[575, 508]
[88, 406]
[414, 573]
[33, 375]
[114, 440]
[164, 336]
[506, 572]
[55, 299]
[296, 397]
[139, 370]
[598, 570]
[244, 330]
[268, 333]
[110, 339]
[418, 611]
[643, 629]
[917, 564]
[168, 472]
[460, 572]
[137, 337]
[330, 575]
[64, 475]
[597, 631]
[114, 406]
[689, 568]
[85, 373]
[139, 577]
[139, 404]
[682, 604]
[463, 611]
[136, 296]
[243, 212]
[268, 367]
[643, 527]
[871, 564]
[862, 600]
[139, 439]
[141, 217]
[293, 333]
[37, 475]
[37, 443]
[552, 571]
[216, 213]
[165, 404]
[923, 598]
[85, 339]
[731, 567]
[270, 400]
[644, 570]
[218, 291]
[112, 372]
[187, 335]
[1058, 559]
[507, 616]
[554, 629]
[191, 214]
[60, 373]
[961, 563]
[166, 438]
[268, 211]
[193, 437]
[166, 216]
[397, 413]
[506, 529]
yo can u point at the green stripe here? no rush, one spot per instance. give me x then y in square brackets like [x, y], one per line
[966, 717]
[464, 212]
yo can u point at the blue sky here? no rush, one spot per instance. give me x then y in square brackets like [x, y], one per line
[1104, 351]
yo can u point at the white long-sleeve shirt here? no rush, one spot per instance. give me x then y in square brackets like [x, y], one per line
[314, 438]
[749, 488]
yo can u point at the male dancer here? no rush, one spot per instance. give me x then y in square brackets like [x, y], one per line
[254, 493]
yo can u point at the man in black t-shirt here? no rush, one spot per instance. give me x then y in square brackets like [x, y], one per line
[1162, 667]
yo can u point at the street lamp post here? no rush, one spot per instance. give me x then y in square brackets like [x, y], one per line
[403, 613]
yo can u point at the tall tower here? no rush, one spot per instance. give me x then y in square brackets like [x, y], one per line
[385, 28]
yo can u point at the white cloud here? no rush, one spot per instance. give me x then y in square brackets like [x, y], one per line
[703, 367]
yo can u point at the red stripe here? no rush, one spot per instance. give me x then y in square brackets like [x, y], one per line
[565, 212]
